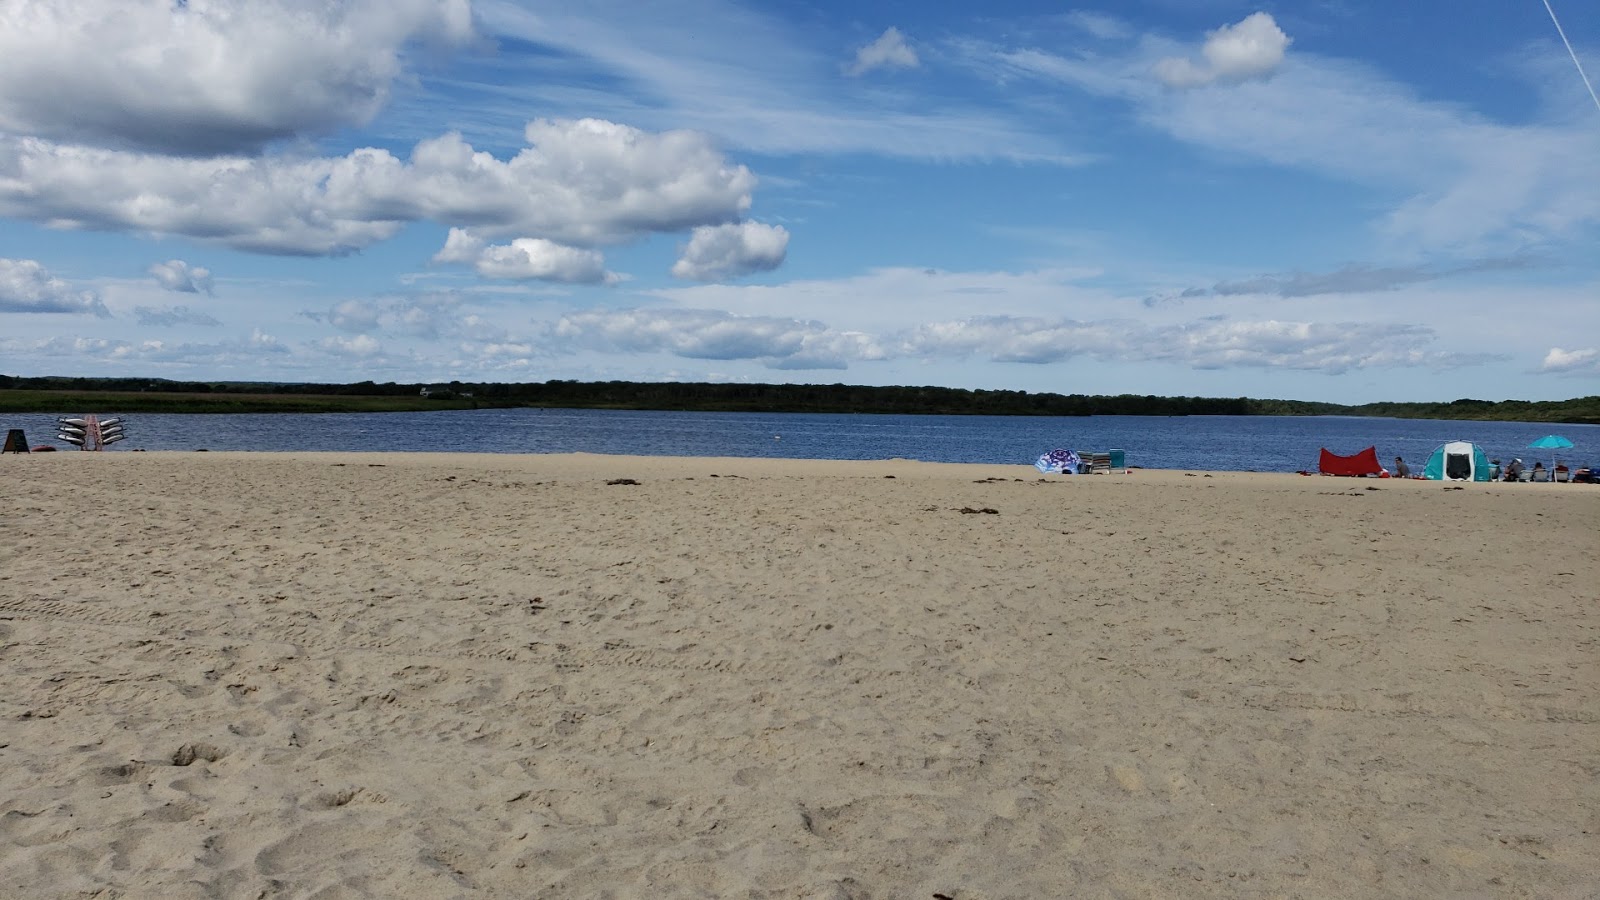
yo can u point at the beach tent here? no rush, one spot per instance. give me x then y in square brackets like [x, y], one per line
[1457, 461]
[1363, 463]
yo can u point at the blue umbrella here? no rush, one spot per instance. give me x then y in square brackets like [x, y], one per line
[1551, 442]
[1058, 460]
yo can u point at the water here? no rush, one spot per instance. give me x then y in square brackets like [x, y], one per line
[1222, 443]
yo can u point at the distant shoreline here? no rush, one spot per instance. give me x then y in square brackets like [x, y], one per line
[24, 396]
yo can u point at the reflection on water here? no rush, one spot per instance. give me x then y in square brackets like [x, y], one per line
[1252, 443]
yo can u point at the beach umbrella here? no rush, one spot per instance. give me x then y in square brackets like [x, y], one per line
[1551, 442]
[1058, 460]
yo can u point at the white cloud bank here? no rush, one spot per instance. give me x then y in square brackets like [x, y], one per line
[1251, 48]
[583, 183]
[889, 51]
[27, 287]
[776, 342]
[206, 76]
[782, 343]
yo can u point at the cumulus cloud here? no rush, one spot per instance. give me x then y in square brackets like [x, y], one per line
[355, 316]
[206, 76]
[710, 334]
[172, 316]
[526, 259]
[26, 286]
[429, 315]
[581, 183]
[362, 345]
[1572, 362]
[721, 252]
[889, 51]
[1014, 339]
[1251, 48]
[177, 275]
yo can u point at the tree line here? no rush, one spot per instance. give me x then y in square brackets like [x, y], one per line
[203, 396]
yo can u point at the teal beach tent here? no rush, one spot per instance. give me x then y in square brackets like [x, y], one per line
[1457, 461]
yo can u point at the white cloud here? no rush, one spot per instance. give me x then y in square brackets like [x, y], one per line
[1217, 343]
[357, 316]
[1460, 182]
[27, 287]
[460, 246]
[206, 76]
[889, 51]
[109, 356]
[539, 259]
[1099, 25]
[177, 275]
[1013, 339]
[429, 316]
[1572, 362]
[1328, 347]
[710, 334]
[883, 300]
[173, 316]
[579, 182]
[1251, 48]
[721, 252]
[672, 70]
[260, 340]
[360, 346]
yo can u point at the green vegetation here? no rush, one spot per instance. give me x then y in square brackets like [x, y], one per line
[36, 401]
[47, 395]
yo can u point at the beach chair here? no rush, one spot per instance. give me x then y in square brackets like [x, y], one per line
[1094, 463]
[1119, 462]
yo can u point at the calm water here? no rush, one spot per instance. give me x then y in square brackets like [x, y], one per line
[1234, 443]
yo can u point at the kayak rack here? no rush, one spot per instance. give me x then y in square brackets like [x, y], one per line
[90, 432]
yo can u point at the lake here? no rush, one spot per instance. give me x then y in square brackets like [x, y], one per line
[1223, 443]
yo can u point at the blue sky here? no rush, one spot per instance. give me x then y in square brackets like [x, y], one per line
[1347, 200]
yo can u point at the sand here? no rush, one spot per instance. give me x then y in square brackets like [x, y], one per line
[397, 675]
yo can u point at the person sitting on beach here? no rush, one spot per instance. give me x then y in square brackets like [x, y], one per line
[1401, 470]
[1514, 471]
[1539, 474]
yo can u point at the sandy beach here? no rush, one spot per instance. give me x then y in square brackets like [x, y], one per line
[418, 675]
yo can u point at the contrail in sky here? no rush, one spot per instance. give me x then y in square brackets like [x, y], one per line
[1572, 53]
